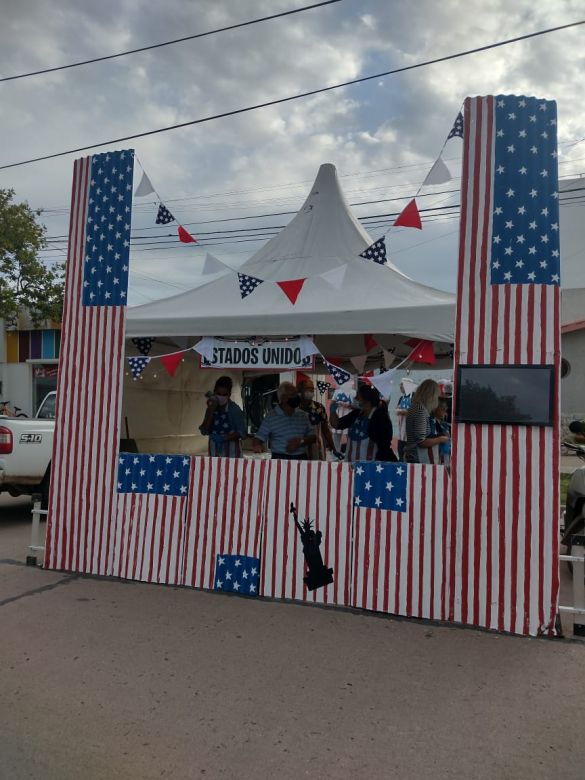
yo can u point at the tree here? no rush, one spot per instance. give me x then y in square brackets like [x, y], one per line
[26, 283]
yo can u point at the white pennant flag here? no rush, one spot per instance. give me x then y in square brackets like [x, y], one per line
[212, 265]
[389, 358]
[307, 347]
[384, 382]
[335, 277]
[439, 173]
[359, 362]
[205, 347]
[144, 188]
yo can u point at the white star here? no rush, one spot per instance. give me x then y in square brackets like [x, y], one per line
[496, 265]
[510, 193]
[379, 468]
[151, 459]
[357, 501]
[399, 501]
[253, 571]
[252, 588]
[512, 115]
[149, 486]
[219, 583]
[142, 472]
[542, 106]
[543, 264]
[497, 239]
[228, 575]
[544, 211]
[238, 562]
[498, 210]
[185, 461]
[119, 486]
[168, 460]
[128, 471]
[523, 170]
[544, 239]
[532, 118]
[507, 276]
[521, 210]
[555, 195]
[500, 169]
[520, 239]
[522, 103]
[500, 133]
[166, 488]
[500, 104]
[389, 485]
[519, 263]
[522, 134]
[532, 250]
[554, 226]
[368, 485]
[555, 253]
[236, 585]
[532, 276]
[158, 473]
[378, 501]
[544, 172]
[533, 193]
[533, 149]
[183, 488]
[555, 278]
[508, 250]
[544, 134]
[108, 269]
[509, 224]
[554, 154]
[133, 486]
[512, 148]
[220, 561]
[120, 460]
[400, 470]
[532, 225]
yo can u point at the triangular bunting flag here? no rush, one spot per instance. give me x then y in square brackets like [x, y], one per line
[163, 216]
[144, 188]
[369, 342]
[143, 345]
[389, 358]
[383, 382]
[340, 376]
[457, 129]
[292, 288]
[439, 173]
[323, 386]
[137, 366]
[185, 237]
[171, 362]
[359, 362]
[248, 284]
[307, 347]
[300, 377]
[212, 265]
[409, 217]
[423, 351]
[376, 251]
[335, 277]
[205, 347]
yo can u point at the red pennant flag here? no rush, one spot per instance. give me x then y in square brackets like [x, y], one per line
[369, 341]
[423, 351]
[186, 237]
[172, 362]
[292, 288]
[302, 377]
[409, 217]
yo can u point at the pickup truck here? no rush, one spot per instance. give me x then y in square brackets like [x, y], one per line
[26, 446]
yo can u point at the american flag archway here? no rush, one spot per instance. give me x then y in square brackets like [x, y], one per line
[504, 511]
[82, 498]
[321, 492]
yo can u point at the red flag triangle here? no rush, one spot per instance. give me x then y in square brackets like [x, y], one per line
[292, 288]
[369, 341]
[423, 351]
[409, 217]
[172, 362]
[186, 237]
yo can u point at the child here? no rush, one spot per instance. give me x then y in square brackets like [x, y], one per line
[441, 427]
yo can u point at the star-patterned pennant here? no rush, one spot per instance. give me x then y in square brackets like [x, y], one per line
[376, 251]
[340, 375]
[143, 345]
[457, 129]
[248, 284]
[323, 386]
[137, 366]
[163, 216]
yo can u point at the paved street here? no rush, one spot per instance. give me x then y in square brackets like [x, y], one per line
[102, 679]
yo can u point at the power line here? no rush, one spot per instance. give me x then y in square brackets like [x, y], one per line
[300, 95]
[170, 43]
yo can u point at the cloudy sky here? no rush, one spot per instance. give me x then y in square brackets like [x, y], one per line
[383, 135]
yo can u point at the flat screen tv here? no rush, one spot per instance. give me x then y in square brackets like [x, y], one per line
[505, 395]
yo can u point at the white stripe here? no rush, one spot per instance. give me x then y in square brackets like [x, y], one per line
[487, 465]
[496, 489]
[521, 469]
[508, 491]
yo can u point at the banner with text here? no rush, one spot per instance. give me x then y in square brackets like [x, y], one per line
[278, 355]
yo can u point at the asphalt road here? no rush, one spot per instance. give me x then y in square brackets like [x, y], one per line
[102, 679]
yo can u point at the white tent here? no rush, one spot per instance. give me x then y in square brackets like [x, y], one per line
[323, 237]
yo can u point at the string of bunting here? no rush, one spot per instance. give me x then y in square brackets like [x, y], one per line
[163, 215]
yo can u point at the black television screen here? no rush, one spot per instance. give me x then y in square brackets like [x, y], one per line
[505, 395]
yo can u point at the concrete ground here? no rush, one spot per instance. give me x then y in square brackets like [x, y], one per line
[103, 679]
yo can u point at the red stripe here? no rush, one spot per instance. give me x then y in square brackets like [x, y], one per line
[518, 326]
[487, 218]
[409, 565]
[479, 521]
[556, 292]
[530, 325]
[233, 519]
[445, 535]
[189, 521]
[310, 477]
[472, 258]
[264, 563]
[296, 575]
[516, 476]
[542, 540]
[152, 538]
[507, 323]
[244, 530]
[421, 540]
[465, 521]
[528, 529]
[349, 584]
[365, 574]
[287, 467]
[259, 516]
[210, 467]
[170, 509]
[389, 520]
[435, 510]
[399, 522]
[489, 533]
[332, 471]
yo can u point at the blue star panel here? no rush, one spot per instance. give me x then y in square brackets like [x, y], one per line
[107, 229]
[525, 234]
[237, 574]
[380, 486]
[165, 475]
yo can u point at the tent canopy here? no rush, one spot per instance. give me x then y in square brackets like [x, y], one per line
[323, 236]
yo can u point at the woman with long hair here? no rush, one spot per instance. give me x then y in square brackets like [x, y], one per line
[421, 445]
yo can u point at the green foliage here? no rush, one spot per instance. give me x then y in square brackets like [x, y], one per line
[26, 284]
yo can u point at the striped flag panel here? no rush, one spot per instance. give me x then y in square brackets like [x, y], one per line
[83, 465]
[321, 492]
[149, 538]
[224, 515]
[504, 529]
[400, 559]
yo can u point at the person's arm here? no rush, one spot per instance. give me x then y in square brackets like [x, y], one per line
[206, 425]
[420, 431]
[327, 435]
[380, 431]
[347, 420]
[238, 423]
[261, 436]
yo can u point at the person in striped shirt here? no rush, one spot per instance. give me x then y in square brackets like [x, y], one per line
[287, 430]
[370, 428]
[421, 445]
[224, 422]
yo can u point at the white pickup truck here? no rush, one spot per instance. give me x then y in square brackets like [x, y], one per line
[26, 446]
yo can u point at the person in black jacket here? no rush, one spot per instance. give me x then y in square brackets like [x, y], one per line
[370, 428]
